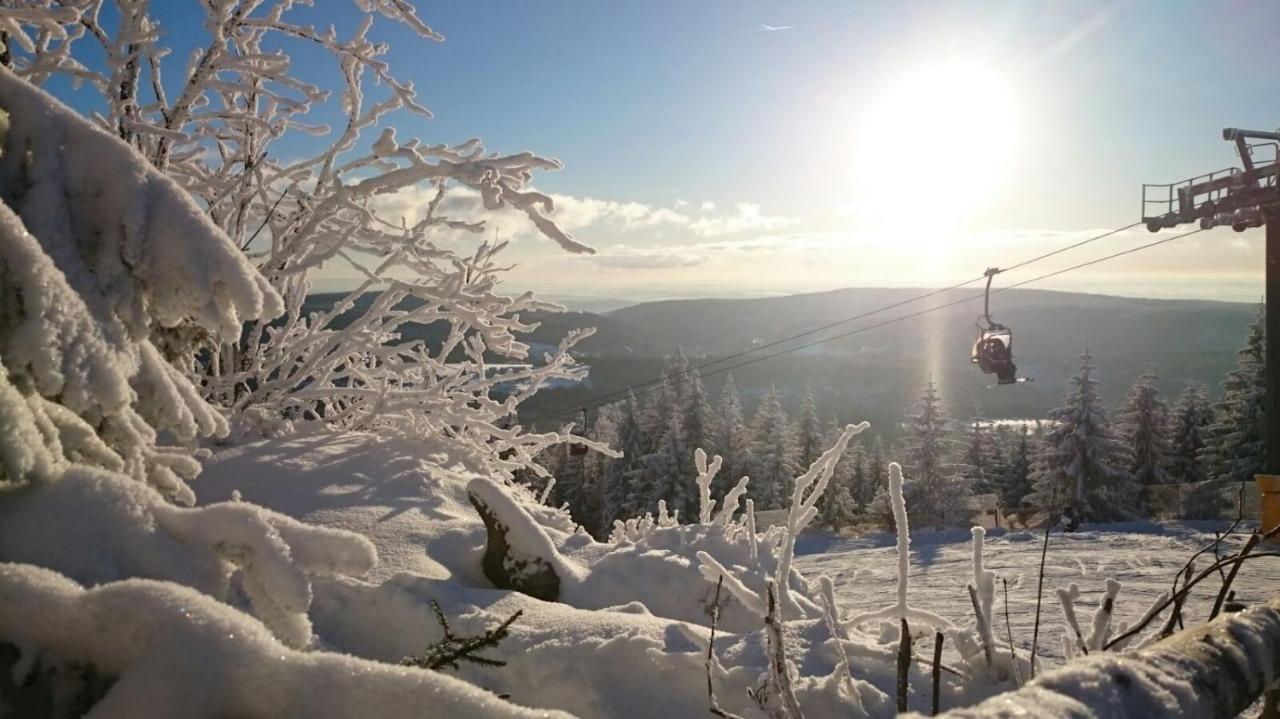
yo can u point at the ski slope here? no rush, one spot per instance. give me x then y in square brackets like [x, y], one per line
[1142, 556]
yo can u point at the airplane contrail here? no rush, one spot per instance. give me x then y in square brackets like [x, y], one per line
[777, 28]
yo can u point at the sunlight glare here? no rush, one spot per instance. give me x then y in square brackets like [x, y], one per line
[934, 145]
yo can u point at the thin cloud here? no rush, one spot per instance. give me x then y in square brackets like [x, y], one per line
[746, 217]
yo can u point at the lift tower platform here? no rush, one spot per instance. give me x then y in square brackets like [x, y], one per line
[1239, 197]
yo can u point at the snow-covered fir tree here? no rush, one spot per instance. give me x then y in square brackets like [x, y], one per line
[808, 432]
[663, 470]
[775, 454]
[623, 482]
[595, 468]
[982, 455]
[699, 421]
[1143, 431]
[837, 506]
[876, 474]
[1015, 478]
[1077, 463]
[732, 440]
[1188, 433]
[935, 488]
[1235, 449]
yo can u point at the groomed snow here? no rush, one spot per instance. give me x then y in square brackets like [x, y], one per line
[1143, 557]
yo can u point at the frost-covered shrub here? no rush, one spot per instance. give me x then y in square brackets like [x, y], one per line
[97, 252]
[393, 210]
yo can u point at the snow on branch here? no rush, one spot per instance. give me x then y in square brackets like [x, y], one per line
[392, 212]
[705, 474]
[804, 500]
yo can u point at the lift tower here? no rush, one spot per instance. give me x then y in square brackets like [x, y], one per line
[1241, 197]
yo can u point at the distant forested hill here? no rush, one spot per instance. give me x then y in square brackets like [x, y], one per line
[876, 374]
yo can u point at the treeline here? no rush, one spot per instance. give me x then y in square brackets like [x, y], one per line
[1076, 456]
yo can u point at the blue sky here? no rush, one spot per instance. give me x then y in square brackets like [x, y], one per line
[706, 156]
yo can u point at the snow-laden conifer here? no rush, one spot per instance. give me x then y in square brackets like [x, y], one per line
[1143, 428]
[1235, 450]
[1077, 461]
[1188, 433]
[732, 440]
[936, 490]
[775, 455]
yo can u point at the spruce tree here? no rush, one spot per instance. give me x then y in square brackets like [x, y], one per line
[775, 455]
[1188, 432]
[596, 469]
[663, 467]
[981, 455]
[699, 423]
[623, 478]
[838, 505]
[1236, 449]
[935, 491]
[808, 432]
[1015, 480]
[1076, 462]
[876, 474]
[1144, 424]
[732, 440]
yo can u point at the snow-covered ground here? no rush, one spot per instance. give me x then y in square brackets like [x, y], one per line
[1143, 557]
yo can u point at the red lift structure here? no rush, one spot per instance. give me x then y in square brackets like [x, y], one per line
[1238, 197]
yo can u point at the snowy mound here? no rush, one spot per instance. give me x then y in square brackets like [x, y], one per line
[172, 651]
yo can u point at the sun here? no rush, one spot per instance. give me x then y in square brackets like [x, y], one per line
[935, 144]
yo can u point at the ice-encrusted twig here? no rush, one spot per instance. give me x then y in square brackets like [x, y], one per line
[831, 615]
[713, 570]
[705, 474]
[711, 663]
[731, 501]
[804, 500]
[779, 666]
[982, 592]
[1067, 598]
[1102, 617]
[900, 609]
[752, 539]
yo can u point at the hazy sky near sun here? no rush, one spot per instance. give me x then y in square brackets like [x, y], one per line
[870, 143]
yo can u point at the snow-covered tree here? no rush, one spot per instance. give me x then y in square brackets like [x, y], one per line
[1143, 428]
[837, 506]
[226, 124]
[595, 468]
[623, 484]
[981, 455]
[775, 453]
[663, 469]
[1015, 480]
[1188, 430]
[808, 432]
[699, 421]
[1236, 448]
[936, 490]
[98, 255]
[732, 439]
[1076, 464]
[876, 474]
